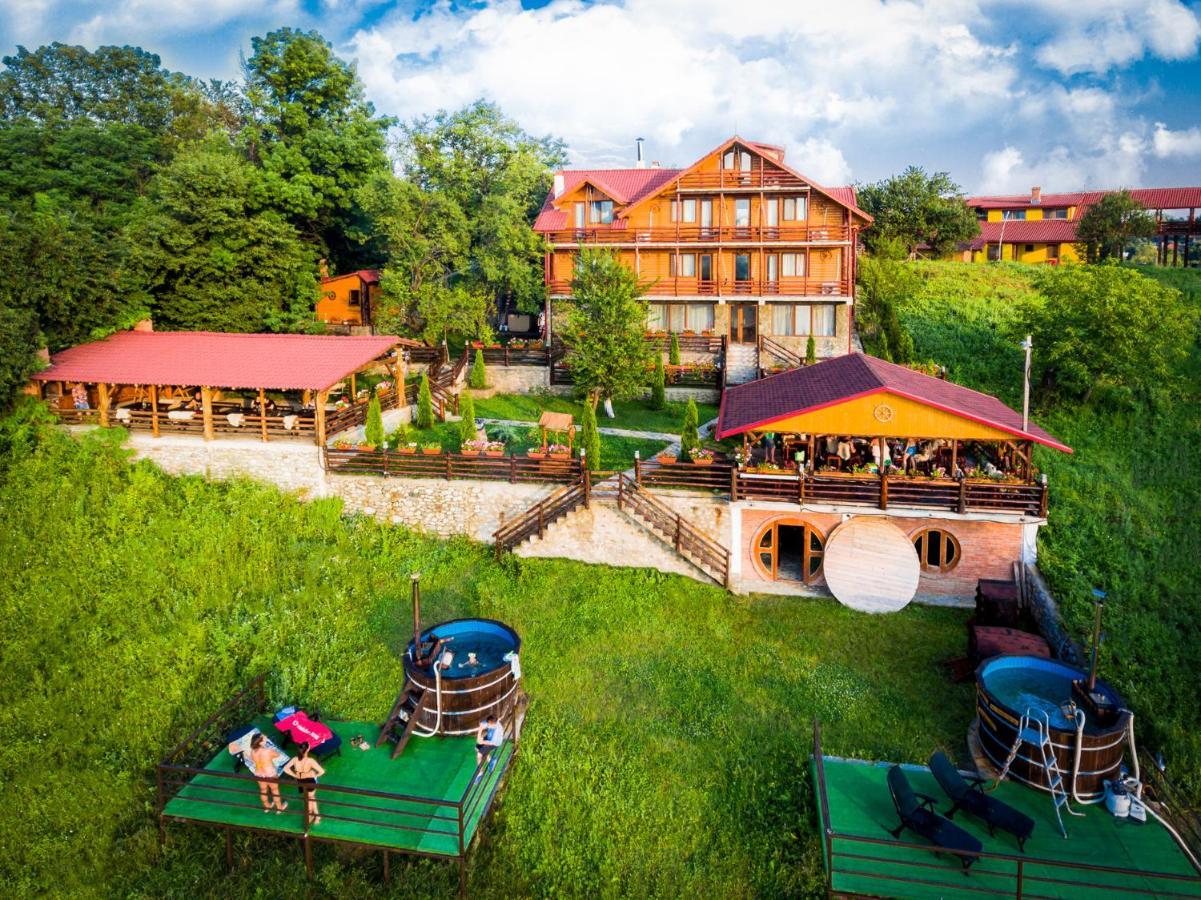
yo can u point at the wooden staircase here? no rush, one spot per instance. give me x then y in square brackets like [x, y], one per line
[772, 353]
[688, 541]
[534, 521]
[402, 719]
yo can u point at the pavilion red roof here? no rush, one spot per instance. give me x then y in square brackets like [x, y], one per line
[757, 404]
[220, 360]
[1152, 198]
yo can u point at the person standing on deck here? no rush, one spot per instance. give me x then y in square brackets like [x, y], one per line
[306, 771]
[262, 759]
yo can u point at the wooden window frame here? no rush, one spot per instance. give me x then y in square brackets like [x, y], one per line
[773, 550]
[921, 547]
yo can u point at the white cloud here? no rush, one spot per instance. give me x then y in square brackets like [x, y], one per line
[1099, 35]
[1168, 143]
[1115, 162]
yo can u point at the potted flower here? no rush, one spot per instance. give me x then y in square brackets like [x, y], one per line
[701, 456]
[666, 457]
[741, 456]
[473, 447]
[559, 451]
[494, 448]
[365, 446]
[536, 452]
[431, 449]
[408, 449]
[343, 444]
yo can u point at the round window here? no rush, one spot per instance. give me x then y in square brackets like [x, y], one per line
[937, 550]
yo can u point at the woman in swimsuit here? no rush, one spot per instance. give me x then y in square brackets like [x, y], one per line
[306, 771]
[262, 765]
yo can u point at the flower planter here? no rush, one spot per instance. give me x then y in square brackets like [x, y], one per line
[702, 462]
[533, 454]
[407, 451]
[667, 459]
[431, 451]
[494, 453]
[560, 456]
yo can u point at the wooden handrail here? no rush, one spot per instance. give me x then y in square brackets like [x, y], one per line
[777, 350]
[535, 519]
[836, 287]
[775, 234]
[687, 540]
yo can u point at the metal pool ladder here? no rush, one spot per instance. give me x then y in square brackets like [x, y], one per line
[1037, 732]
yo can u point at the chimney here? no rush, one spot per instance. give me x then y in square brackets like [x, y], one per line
[323, 268]
[1036, 196]
[557, 189]
[146, 324]
[641, 163]
[654, 164]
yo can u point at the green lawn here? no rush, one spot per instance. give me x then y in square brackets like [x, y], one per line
[1123, 511]
[634, 415]
[666, 746]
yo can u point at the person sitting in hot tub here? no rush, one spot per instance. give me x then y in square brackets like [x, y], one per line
[471, 661]
[491, 734]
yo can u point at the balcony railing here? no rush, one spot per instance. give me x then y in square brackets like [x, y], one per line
[689, 233]
[728, 287]
[731, 179]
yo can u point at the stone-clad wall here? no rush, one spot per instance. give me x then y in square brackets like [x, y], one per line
[291, 465]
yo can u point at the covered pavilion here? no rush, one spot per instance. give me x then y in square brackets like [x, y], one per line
[860, 414]
[209, 382]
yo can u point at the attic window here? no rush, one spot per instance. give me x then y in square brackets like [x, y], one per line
[601, 212]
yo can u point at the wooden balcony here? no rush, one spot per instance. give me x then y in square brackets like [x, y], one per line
[696, 234]
[728, 287]
[758, 178]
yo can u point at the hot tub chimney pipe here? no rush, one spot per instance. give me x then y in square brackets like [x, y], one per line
[1092, 672]
[416, 578]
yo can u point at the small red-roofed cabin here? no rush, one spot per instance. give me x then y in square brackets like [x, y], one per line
[349, 300]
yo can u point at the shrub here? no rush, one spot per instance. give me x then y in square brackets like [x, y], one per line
[658, 384]
[467, 431]
[810, 351]
[373, 432]
[590, 438]
[689, 435]
[477, 378]
[425, 404]
[673, 354]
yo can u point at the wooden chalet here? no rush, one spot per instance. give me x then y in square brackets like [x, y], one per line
[348, 301]
[738, 244]
[206, 383]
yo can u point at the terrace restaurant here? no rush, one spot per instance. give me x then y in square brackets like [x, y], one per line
[208, 383]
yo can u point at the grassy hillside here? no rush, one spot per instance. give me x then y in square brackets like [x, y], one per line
[664, 753]
[1124, 508]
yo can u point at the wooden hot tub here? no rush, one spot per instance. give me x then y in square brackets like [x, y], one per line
[470, 691]
[1007, 686]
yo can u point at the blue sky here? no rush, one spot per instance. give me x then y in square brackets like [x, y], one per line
[1004, 94]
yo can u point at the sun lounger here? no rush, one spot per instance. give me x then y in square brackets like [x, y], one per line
[968, 795]
[919, 816]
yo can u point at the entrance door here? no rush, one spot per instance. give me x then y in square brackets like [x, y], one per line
[705, 286]
[742, 322]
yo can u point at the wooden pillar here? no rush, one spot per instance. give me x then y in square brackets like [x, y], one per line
[206, 404]
[354, 394]
[954, 457]
[229, 850]
[104, 398]
[154, 409]
[322, 396]
[263, 413]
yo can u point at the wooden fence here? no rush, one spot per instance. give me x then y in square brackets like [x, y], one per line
[450, 466]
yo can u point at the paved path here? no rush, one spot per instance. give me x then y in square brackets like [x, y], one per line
[618, 432]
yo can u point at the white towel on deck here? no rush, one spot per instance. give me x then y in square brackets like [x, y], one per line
[290, 422]
[235, 419]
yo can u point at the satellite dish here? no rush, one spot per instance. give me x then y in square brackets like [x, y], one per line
[870, 565]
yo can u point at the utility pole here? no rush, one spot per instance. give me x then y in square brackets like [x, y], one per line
[1001, 239]
[1027, 345]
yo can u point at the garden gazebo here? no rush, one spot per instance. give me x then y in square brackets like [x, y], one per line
[209, 382]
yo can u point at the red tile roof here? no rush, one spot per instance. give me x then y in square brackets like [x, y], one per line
[759, 403]
[367, 276]
[623, 185]
[1020, 231]
[1152, 198]
[275, 361]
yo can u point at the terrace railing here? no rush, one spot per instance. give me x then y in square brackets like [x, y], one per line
[73, 416]
[1006, 873]
[688, 343]
[947, 494]
[451, 466]
[355, 414]
[787, 234]
[686, 539]
[390, 813]
[697, 287]
[775, 353]
[507, 356]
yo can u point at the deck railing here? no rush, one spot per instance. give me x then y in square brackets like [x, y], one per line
[954, 495]
[697, 287]
[450, 466]
[387, 811]
[506, 356]
[730, 179]
[1022, 876]
[688, 342]
[355, 414]
[687, 234]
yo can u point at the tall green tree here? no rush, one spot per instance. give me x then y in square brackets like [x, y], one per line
[604, 329]
[590, 440]
[478, 376]
[917, 209]
[658, 384]
[1083, 337]
[884, 285]
[498, 176]
[467, 430]
[19, 343]
[425, 403]
[315, 137]
[207, 255]
[1111, 225]
[373, 430]
[690, 436]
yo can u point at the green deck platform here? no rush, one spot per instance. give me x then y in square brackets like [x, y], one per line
[437, 768]
[860, 805]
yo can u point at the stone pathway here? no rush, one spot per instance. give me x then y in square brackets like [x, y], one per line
[705, 429]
